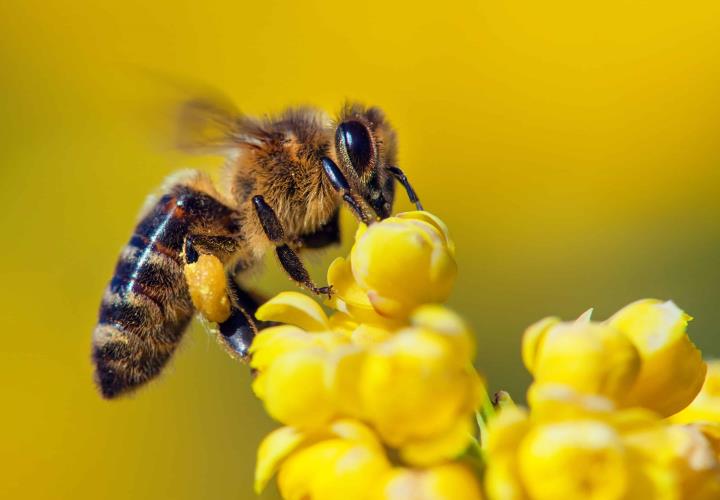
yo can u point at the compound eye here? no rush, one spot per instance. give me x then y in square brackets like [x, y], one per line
[355, 138]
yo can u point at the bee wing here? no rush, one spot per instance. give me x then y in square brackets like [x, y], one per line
[208, 125]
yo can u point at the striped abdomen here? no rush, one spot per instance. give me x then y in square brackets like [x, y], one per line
[147, 305]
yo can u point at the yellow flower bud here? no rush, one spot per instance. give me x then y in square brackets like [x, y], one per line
[574, 459]
[504, 436]
[706, 405]
[403, 262]
[441, 448]
[442, 320]
[343, 465]
[343, 323]
[350, 299]
[296, 390]
[586, 449]
[272, 344]
[696, 463]
[451, 481]
[711, 431]
[346, 364]
[682, 454]
[208, 287]
[672, 370]
[273, 450]
[557, 401]
[591, 358]
[414, 386]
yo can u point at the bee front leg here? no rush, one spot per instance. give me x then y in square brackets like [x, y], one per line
[289, 259]
[340, 184]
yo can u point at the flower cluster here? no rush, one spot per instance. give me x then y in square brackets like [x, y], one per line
[595, 428]
[377, 399]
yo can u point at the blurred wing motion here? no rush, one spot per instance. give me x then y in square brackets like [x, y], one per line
[208, 126]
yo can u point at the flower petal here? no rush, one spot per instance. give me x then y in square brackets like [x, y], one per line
[672, 370]
[295, 389]
[433, 220]
[294, 308]
[453, 481]
[272, 451]
[442, 448]
[442, 320]
[533, 339]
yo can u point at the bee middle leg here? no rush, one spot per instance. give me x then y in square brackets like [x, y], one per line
[289, 259]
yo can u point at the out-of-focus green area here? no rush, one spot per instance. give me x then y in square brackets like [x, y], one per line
[572, 148]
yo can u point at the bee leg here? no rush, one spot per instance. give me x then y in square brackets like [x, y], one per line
[340, 184]
[190, 253]
[289, 259]
[402, 179]
[238, 331]
[219, 246]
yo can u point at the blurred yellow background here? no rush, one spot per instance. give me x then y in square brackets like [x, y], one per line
[572, 147]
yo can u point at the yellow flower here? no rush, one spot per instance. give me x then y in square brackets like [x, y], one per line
[672, 370]
[592, 358]
[505, 434]
[706, 406]
[295, 389]
[389, 356]
[416, 386]
[296, 368]
[419, 385]
[578, 446]
[641, 356]
[452, 481]
[395, 265]
[574, 459]
[342, 460]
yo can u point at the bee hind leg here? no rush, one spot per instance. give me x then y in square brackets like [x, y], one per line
[238, 331]
[289, 259]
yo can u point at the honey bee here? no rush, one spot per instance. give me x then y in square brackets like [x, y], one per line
[284, 181]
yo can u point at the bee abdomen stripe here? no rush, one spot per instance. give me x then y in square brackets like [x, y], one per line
[141, 242]
[147, 305]
[133, 313]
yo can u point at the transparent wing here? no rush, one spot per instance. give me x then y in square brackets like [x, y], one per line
[208, 125]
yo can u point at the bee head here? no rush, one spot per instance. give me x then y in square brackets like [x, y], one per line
[365, 146]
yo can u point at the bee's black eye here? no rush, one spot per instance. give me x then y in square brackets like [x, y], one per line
[355, 139]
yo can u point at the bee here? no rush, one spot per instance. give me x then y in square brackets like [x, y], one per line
[283, 183]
